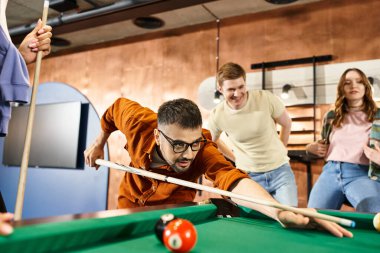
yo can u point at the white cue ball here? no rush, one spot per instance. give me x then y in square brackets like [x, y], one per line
[376, 222]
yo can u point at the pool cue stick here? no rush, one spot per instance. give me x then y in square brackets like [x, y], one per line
[144, 173]
[29, 128]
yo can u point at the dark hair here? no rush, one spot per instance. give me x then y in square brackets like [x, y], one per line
[230, 71]
[182, 112]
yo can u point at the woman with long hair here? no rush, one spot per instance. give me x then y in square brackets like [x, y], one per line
[345, 138]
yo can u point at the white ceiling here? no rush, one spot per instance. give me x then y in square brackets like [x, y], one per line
[26, 12]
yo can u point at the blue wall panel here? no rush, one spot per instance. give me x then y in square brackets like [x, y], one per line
[52, 191]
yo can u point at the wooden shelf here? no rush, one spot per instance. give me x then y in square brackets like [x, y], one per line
[302, 132]
[303, 125]
[297, 144]
[307, 118]
[303, 105]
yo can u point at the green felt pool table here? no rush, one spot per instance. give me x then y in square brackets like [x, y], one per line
[133, 231]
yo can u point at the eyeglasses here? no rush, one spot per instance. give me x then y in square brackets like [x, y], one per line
[181, 146]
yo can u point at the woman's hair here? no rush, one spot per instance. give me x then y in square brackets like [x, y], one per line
[341, 106]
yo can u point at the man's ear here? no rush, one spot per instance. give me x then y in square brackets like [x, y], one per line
[220, 89]
[156, 136]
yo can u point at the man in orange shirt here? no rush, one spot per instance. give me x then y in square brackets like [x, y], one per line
[173, 143]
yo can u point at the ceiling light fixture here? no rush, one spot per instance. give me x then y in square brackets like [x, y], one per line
[280, 1]
[285, 91]
[371, 80]
[217, 96]
[149, 22]
[63, 5]
[374, 81]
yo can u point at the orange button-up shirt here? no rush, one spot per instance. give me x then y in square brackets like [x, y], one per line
[137, 123]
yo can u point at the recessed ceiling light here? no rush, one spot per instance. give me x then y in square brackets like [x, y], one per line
[280, 1]
[148, 22]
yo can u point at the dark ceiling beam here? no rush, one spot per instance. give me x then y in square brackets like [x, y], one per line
[117, 12]
[92, 3]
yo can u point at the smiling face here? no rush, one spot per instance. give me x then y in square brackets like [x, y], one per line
[172, 137]
[235, 92]
[354, 88]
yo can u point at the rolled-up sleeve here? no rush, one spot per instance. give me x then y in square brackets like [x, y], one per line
[118, 114]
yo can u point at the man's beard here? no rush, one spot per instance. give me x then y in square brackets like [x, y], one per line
[180, 169]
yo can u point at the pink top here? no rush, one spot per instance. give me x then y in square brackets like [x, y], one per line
[346, 142]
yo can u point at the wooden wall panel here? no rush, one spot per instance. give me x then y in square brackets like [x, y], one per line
[168, 66]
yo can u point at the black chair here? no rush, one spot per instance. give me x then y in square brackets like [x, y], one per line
[3, 209]
[302, 157]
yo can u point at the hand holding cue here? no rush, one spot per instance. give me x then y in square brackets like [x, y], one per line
[144, 173]
[29, 128]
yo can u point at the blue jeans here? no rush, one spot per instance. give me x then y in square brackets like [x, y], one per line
[340, 181]
[280, 183]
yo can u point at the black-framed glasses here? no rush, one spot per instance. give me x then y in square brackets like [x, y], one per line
[181, 146]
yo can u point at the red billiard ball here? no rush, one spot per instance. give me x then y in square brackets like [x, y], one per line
[161, 224]
[180, 236]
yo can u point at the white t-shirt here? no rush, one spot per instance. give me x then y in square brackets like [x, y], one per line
[252, 131]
